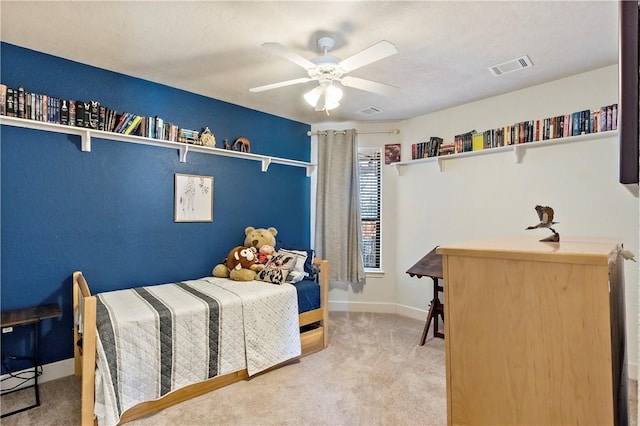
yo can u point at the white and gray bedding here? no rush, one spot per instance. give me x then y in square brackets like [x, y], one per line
[157, 339]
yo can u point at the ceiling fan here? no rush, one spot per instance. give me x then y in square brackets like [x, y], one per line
[327, 70]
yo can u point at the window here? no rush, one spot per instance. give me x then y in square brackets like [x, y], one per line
[369, 171]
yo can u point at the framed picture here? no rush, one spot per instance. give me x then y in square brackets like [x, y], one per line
[193, 198]
[392, 153]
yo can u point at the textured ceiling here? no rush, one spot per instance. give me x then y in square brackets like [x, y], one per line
[214, 48]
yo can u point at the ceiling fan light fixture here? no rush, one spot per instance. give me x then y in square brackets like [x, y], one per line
[330, 94]
[313, 95]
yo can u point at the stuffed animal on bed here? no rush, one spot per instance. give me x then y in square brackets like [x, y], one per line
[241, 257]
[254, 238]
[265, 253]
[257, 237]
[240, 265]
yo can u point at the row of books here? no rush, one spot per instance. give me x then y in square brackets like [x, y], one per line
[426, 149]
[49, 109]
[562, 126]
[574, 124]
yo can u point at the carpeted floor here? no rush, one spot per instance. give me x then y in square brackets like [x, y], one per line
[373, 373]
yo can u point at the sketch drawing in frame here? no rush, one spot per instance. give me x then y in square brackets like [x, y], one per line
[193, 199]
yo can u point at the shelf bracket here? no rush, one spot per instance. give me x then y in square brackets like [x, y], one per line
[310, 170]
[85, 141]
[265, 163]
[440, 161]
[399, 168]
[519, 152]
[183, 153]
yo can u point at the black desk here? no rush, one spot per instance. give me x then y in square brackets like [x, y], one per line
[22, 317]
[431, 266]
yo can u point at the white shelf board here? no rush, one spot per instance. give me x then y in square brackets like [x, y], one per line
[87, 134]
[519, 150]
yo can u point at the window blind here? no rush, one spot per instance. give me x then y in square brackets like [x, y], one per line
[369, 167]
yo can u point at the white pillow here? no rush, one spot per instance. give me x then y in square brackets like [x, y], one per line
[301, 258]
[295, 276]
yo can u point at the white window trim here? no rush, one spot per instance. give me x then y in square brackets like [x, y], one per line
[380, 270]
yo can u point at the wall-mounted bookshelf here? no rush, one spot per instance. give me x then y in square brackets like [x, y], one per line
[519, 150]
[86, 136]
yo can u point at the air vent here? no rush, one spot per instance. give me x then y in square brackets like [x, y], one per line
[511, 66]
[369, 111]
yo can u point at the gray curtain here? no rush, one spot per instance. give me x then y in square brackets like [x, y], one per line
[338, 226]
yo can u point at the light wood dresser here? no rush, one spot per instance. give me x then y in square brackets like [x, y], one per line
[535, 332]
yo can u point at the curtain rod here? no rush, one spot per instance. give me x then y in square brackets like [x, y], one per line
[324, 132]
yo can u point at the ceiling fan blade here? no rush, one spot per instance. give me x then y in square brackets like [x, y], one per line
[369, 86]
[280, 84]
[378, 51]
[279, 49]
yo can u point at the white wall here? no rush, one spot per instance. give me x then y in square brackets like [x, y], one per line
[491, 195]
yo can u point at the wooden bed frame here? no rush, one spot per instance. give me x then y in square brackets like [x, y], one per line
[314, 338]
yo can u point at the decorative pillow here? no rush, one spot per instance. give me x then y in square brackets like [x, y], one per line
[277, 268]
[308, 259]
[301, 257]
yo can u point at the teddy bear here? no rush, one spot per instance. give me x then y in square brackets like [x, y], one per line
[257, 237]
[254, 238]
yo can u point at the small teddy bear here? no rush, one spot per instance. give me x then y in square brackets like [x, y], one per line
[265, 253]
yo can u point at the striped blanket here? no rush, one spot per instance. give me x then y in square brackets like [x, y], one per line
[157, 339]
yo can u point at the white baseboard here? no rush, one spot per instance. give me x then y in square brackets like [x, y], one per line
[53, 371]
[418, 314]
[375, 307]
[64, 368]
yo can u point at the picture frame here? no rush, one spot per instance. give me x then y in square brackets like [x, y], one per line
[193, 198]
[392, 153]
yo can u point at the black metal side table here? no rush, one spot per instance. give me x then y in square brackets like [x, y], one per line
[24, 317]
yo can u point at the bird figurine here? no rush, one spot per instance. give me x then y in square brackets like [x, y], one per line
[545, 214]
[627, 254]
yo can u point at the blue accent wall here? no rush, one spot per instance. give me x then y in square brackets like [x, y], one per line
[109, 212]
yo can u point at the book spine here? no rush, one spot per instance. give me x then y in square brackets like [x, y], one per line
[3, 99]
[20, 102]
[27, 105]
[45, 108]
[64, 112]
[94, 114]
[584, 124]
[121, 122]
[160, 128]
[108, 121]
[614, 117]
[38, 107]
[10, 106]
[133, 124]
[102, 115]
[80, 117]
[72, 113]
[57, 111]
[575, 122]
